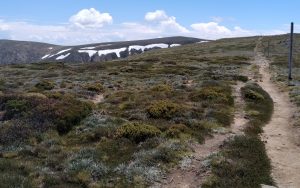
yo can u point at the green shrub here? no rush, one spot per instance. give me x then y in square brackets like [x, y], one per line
[13, 175]
[259, 104]
[2, 84]
[45, 85]
[68, 112]
[116, 151]
[246, 164]
[223, 116]
[162, 88]
[164, 109]
[252, 95]
[95, 87]
[241, 78]
[62, 111]
[174, 131]
[215, 94]
[15, 107]
[137, 132]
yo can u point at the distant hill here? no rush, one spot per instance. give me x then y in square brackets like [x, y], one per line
[18, 52]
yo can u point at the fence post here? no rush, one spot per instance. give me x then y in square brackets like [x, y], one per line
[291, 51]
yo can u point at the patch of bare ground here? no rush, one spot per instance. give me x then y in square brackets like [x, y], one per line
[280, 136]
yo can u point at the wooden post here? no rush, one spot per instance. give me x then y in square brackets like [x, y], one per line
[268, 48]
[291, 51]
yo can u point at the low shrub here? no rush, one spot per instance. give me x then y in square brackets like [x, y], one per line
[259, 104]
[95, 87]
[246, 164]
[45, 85]
[13, 175]
[116, 151]
[137, 132]
[174, 131]
[214, 94]
[62, 111]
[66, 112]
[15, 107]
[162, 88]
[164, 109]
[252, 95]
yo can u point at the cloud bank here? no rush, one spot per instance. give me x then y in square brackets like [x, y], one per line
[91, 26]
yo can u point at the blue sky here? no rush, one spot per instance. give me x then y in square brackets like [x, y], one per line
[84, 21]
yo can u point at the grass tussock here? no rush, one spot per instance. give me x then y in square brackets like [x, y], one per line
[243, 161]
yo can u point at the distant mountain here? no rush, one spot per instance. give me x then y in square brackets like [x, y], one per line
[18, 52]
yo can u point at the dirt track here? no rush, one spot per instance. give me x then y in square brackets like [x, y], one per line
[279, 134]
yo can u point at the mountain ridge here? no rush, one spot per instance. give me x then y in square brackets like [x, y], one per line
[20, 52]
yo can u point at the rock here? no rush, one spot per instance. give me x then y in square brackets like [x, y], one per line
[267, 186]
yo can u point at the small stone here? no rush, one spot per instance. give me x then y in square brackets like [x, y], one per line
[267, 186]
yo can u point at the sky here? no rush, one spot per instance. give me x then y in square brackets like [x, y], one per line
[72, 22]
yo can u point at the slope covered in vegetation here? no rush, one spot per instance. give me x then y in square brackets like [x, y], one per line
[155, 104]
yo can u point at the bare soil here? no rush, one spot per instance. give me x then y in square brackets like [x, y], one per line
[280, 135]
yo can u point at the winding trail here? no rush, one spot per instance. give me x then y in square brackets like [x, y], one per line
[279, 134]
[197, 172]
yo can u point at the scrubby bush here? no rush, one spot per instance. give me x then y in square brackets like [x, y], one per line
[252, 95]
[244, 164]
[66, 112]
[164, 109]
[259, 104]
[174, 131]
[13, 175]
[137, 132]
[95, 87]
[215, 94]
[162, 88]
[241, 78]
[60, 111]
[15, 107]
[45, 85]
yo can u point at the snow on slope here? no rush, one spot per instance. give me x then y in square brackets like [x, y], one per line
[60, 52]
[45, 56]
[91, 52]
[62, 56]
[88, 48]
[117, 51]
[174, 45]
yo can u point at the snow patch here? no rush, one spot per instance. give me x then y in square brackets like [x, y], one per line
[50, 48]
[204, 41]
[60, 52]
[157, 46]
[90, 52]
[136, 47]
[93, 47]
[45, 56]
[174, 45]
[63, 56]
[117, 51]
[88, 48]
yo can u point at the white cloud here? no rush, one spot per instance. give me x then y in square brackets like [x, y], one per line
[91, 18]
[211, 27]
[158, 15]
[164, 23]
[91, 26]
[213, 30]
